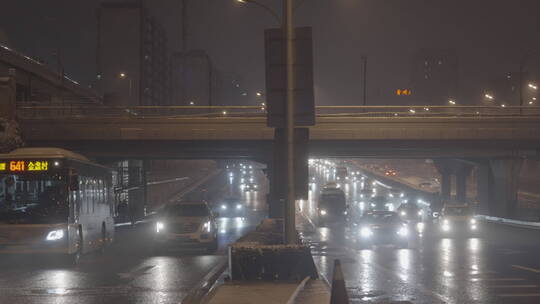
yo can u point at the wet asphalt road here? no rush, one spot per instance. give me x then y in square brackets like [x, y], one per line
[500, 265]
[130, 272]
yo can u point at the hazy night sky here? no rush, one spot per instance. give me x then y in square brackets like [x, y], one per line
[490, 37]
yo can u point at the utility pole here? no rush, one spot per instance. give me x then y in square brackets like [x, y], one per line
[288, 33]
[183, 4]
[364, 78]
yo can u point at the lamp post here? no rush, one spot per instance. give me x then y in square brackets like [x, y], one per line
[288, 33]
[123, 75]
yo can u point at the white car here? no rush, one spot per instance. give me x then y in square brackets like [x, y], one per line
[457, 220]
[186, 224]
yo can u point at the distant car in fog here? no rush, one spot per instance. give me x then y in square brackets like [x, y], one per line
[185, 224]
[410, 212]
[425, 185]
[330, 186]
[382, 227]
[231, 207]
[379, 203]
[250, 187]
[390, 172]
[332, 207]
[342, 172]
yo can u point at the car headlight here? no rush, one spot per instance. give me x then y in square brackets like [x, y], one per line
[207, 226]
[445, 225]
[420, 226]
[238, 206]
[473, 227]
[224, 207]
[403, 213]
[323, 212]
[421, 212]
[473, 222]
[255, 186]
[366, 232]
[160, 227]
[345, 212]
[55, 235]
[403, 231]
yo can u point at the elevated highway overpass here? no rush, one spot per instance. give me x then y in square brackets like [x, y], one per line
[241, 132]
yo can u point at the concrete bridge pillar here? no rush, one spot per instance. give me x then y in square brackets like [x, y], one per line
[462, 173]
[484, 185]
[505, 186]
[445, 170]
[8, 95]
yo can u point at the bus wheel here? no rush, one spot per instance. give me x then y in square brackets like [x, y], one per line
[103, 247]
[74, 258]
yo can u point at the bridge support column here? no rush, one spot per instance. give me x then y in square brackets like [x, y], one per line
[445, 170]
[462, 173]
[278, 170]
[7, 97]
[505, 186]
[484, 186]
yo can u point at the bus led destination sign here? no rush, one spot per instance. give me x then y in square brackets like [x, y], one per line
[24, 165]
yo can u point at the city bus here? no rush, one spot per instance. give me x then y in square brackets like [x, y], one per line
[53, 201]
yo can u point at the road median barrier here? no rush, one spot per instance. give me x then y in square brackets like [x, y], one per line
[509, 222]
[261, 256]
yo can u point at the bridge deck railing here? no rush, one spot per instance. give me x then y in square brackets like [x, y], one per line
[98, 111]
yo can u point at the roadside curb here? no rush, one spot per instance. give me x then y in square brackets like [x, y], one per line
[201, 289]
[299, 288]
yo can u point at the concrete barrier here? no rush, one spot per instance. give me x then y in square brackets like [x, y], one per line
[509, 222]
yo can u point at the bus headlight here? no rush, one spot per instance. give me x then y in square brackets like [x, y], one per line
[160, 227]
[366, 232]
[207, 226]
[55, 235]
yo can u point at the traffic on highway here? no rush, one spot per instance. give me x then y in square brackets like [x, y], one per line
[396, 242]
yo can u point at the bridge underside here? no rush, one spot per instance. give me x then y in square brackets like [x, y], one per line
[262, 149]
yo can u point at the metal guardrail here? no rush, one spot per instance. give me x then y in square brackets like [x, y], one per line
[509, 222]
[85, 110]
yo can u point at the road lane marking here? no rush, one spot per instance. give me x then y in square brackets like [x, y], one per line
[419, 286]
[508, 295]
[513, 286]
[526, 268]
[499, 279]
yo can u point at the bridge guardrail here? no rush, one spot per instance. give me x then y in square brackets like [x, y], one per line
[85, 110]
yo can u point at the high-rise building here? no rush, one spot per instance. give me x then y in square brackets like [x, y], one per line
[132, 54]
[195, 81]
[434, 76]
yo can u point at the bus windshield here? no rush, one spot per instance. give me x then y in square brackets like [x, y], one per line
[33, 198]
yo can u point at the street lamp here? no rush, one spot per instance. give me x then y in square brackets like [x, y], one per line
[263, 6]
[124, 75]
